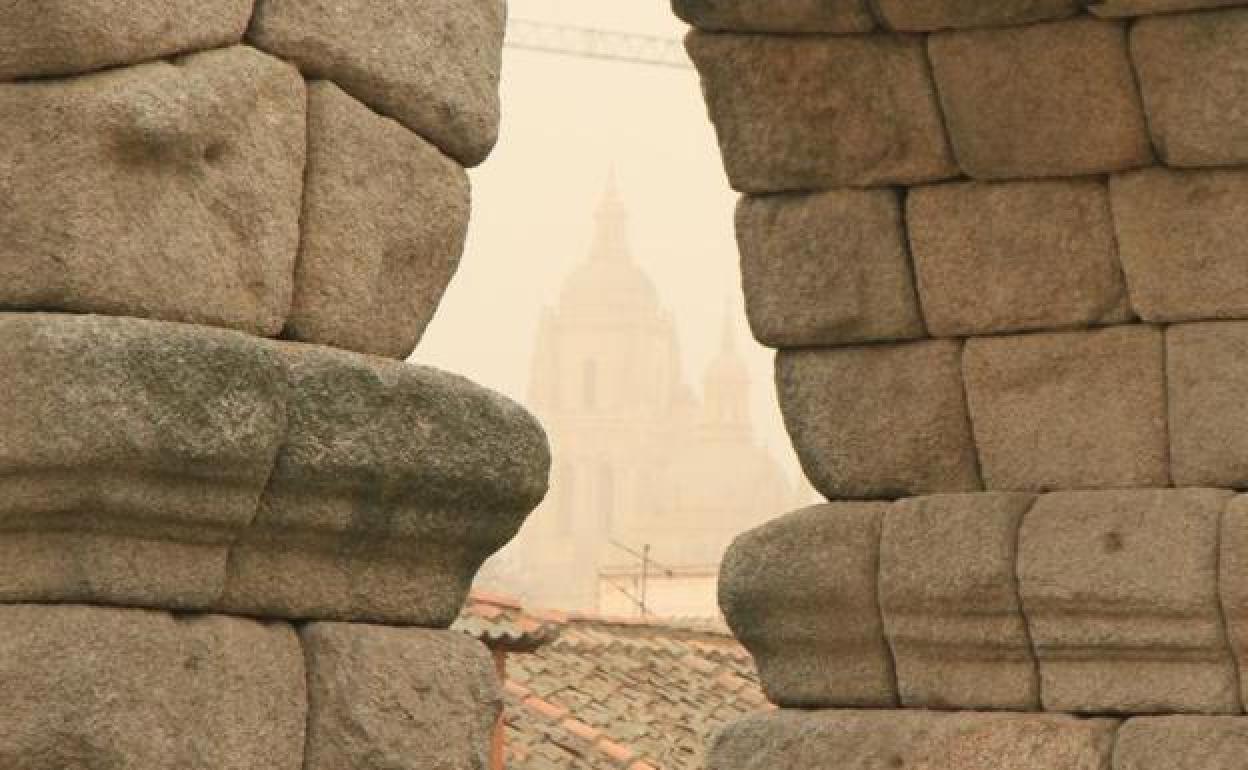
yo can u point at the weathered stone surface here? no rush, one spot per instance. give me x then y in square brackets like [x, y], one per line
[802, 16]
[922, 740]
[950, 602]
[63, 37]
[1124, 8]
[1182, 743]
[397, 699]
[432, 65]
[394, 484]
[1192, 79]
[133, 453]
[881, 421]
[384, 219]
[800, 594]
[91, 687]
[1207, 374]
[1069, 410]
[827, 269]
[1013, 256]
[1120, 592]
[924, 15]
[166, 191]
[1041, 101]
[784, 124]
[1233, 583]
[1182, 236]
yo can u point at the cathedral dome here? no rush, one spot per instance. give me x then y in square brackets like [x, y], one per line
[610, 286]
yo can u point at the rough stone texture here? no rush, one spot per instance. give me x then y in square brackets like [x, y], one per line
[133, 453]
[397, 699]
[800, 594]
[1120, 591]
[90, 687]
[1233, 583]
[1041, 101]
[950, 602]
[801, 16]
[1191, 71]
[923, 15]
[1015, 256]
[1124, 8]
[431, 65]
[1182, 743]
[165, 191]
[1069, 410]
[784, 124]
[1207, 374]
[915, 740]
[394, 483]
[384, 219]
[63, 37]
[827, 269]
[1182, 236]
[881, 421]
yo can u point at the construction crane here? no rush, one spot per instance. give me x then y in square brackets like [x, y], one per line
[588, 43]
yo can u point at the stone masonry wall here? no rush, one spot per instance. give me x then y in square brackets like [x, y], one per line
[1000, 248]
[233, 527]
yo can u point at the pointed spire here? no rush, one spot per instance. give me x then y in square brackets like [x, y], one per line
[611, 237]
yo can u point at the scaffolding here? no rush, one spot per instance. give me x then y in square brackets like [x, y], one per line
[588, 43]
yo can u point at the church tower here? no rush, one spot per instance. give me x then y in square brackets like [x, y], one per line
[639, 459]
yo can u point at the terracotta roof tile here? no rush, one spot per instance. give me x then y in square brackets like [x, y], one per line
[614, 750]
[652, 692]
[549, 710]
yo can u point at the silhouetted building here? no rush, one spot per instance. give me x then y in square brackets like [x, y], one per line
[640, 458]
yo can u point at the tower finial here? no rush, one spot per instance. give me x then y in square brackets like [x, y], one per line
[611, 241]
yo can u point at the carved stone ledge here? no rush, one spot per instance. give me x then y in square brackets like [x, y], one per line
[1094, 602]
[163, 465]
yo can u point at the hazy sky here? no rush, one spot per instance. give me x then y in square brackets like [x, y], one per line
[566, 123]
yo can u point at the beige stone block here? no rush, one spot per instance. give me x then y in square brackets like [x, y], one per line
[1233, 583]
[1182, 743]
[95, 687]
[1045, 100]
[167, 191]
[1182, 235]
[800, 594]
[922, 740]
[134, 452]
[1120, 590]
[1126, 8]
[1014, 256]
[802, 16]
[65, 37]
[883, 421]
[950, 602]
[926, 15]
[827, 269]
[1207, 373]
[393, 485]
[1069, 410]
[432, 65]
[785, 124]
[1191, 76]
[397, 699]
[384, 219]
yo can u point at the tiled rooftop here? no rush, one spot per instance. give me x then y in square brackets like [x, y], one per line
[612, 692]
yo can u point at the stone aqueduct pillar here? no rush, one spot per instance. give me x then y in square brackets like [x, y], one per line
[1002, 248]
[217, 549]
